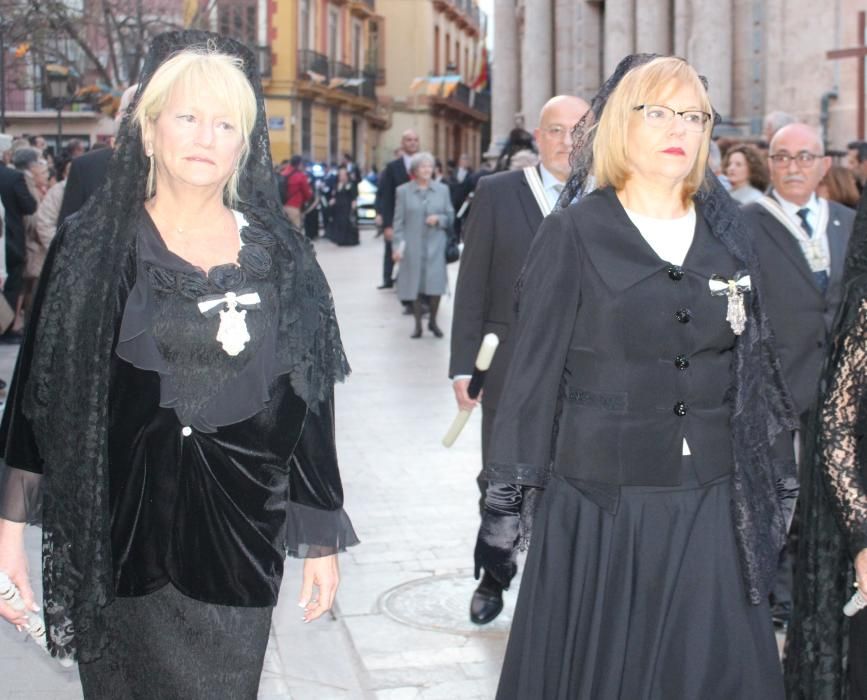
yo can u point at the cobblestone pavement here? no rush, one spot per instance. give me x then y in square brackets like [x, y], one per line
[401, 629]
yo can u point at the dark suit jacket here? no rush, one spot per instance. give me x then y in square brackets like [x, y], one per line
[500, 227]
[393, 176]
[17, 203]
[625, 352]
[86, 175]
[800, 314]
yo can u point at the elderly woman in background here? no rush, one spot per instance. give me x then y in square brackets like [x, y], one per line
[642, 396]
[36, 173]
[423, 217]
[745, 168]
[173, 400]
[839, 185]
[42, 231]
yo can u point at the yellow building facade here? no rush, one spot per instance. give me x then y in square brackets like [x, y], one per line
[432, 53]
[320, 88]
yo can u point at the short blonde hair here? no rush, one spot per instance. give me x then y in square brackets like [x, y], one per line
[647, 84]
[202, 71]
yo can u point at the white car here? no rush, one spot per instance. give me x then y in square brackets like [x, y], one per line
[364, 202]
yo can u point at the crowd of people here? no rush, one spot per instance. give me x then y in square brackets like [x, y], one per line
[682, 328]
[32, 183]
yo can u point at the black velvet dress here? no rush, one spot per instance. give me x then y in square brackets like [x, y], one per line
[217, 471]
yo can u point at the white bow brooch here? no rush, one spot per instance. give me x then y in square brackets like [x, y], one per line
[734, 289]
[232, 333]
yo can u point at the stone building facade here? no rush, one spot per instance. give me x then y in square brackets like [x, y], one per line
[758, 55]
[434, 39]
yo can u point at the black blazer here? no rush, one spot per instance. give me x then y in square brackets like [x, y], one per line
[86, 175]
[393, 176]
[17, 203]
[800, 314]
[503, 219]
[618, 356]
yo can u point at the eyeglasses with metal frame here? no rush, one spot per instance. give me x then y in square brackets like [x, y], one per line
[660, 116]
[803, 159]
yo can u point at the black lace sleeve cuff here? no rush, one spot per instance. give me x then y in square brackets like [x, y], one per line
[312, 533]
[20, 495]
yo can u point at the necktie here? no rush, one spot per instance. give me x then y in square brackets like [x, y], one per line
[822, 275]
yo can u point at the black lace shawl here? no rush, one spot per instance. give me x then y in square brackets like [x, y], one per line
[832, 504]
[65, 396]
[761, 408]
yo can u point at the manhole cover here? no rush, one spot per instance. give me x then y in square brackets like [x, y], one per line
[442, 603]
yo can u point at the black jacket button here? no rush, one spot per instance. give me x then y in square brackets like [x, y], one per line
[681, 362]
[680, 408]
[675, 272]
[682, 315]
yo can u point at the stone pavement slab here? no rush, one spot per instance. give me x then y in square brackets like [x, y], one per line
[413, 504]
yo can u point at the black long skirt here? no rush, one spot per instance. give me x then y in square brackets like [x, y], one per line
[641, 601]
[167, 646]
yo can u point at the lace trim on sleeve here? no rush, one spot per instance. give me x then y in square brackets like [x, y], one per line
[842, 428]
[20, 495]
[312, 532]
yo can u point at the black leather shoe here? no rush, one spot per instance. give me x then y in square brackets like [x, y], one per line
[385, 286]
[487, 601]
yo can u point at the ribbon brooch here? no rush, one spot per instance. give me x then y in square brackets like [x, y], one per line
[734, 289]
[232, 333]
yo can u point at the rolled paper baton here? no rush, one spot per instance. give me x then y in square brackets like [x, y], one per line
[35, 626]
[855, 605]
[477, 381]
[10, 595]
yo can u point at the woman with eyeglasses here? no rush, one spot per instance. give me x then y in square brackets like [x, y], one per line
[642, 396]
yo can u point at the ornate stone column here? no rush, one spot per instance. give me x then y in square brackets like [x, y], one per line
[713, 59]
[619, 32]
[653, 26]
[537, 60]
[504, 91]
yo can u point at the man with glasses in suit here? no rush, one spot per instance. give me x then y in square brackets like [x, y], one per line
[801, 242]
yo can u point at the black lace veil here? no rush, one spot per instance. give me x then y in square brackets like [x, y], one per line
[817, 642]
[761, 407]
[68, 349]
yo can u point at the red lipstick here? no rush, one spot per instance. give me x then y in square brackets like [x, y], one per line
[675, 151]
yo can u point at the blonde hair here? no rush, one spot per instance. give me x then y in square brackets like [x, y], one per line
[647, 84]
[202, 71]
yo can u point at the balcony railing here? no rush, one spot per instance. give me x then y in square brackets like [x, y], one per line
[481, 101]
[311, 65]
[463, 96]
[316, 67]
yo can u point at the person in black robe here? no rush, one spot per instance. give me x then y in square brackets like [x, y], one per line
[185, 444]
[342, 227]
[826, 651]
[643, 395]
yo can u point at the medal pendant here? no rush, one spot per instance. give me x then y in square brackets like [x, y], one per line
[232, 333]
[735, 313]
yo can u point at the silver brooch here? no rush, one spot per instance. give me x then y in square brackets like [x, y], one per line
[734, 289]
[232, 333]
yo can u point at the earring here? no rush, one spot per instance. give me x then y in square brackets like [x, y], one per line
[149, 151]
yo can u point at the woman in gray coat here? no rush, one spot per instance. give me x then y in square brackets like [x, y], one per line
[423, 216]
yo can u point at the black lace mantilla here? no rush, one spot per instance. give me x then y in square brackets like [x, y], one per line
[832, 512]
[69, 350]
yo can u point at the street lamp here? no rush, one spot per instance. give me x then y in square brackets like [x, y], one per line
[61, 83]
